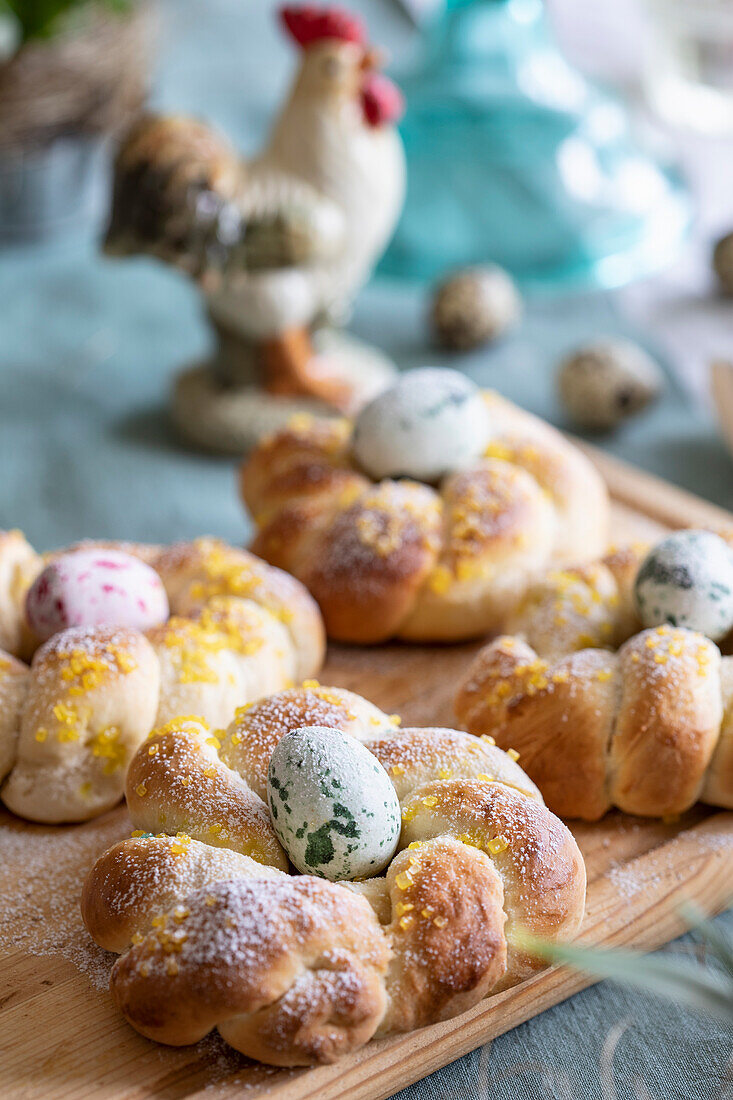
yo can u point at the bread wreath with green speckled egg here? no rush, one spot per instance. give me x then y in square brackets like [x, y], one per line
[296, 969]
[430, 516]
[230, 629]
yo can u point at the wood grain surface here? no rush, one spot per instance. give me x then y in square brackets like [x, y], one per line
[60, 1038]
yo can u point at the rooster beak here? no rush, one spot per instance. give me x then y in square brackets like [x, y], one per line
[372, 59]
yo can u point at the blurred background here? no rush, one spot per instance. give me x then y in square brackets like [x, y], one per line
[586, 148]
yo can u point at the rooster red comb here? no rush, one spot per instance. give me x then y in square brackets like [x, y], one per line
[308, 24]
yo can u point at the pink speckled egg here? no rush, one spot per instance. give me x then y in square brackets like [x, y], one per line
[95, 588]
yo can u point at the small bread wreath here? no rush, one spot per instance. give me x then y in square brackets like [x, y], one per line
[70, 723]
[417, 561]
[648, 729]
[296, 970]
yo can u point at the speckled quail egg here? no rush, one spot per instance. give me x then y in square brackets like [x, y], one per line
[429, 423]
[602, 384]
[723, 263]
[332, 804]
[474, 306]
[687, 580]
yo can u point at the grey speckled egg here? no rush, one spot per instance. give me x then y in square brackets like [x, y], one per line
[332, 804]
[602, 384]
[474, 306]
[687, 580]
[427, 424]
[723, 263]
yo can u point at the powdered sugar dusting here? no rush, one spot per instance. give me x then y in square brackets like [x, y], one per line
[41, 873]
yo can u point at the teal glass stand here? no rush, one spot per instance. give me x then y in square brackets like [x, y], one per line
[514, 157]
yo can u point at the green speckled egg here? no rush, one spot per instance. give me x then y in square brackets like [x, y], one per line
[332, 804]
[687, 580]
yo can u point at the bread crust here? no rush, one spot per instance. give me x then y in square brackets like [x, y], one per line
[647, 729]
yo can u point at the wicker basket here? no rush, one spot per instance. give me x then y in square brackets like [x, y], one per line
[61, 103]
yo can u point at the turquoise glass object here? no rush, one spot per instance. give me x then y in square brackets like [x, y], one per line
[514, 157]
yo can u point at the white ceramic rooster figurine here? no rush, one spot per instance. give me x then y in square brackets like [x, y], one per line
[279, 243]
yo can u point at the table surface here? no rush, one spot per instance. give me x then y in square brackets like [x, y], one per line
[87, 353]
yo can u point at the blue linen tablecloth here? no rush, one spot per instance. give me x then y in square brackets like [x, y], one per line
[87, 351]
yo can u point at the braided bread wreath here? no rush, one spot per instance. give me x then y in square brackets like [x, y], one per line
[294, 969]
[70, 723]
[403, 559]
[648, 728]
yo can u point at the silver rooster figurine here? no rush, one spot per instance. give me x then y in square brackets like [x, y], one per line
[280, 245]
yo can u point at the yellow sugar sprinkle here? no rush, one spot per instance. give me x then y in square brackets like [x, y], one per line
[404, 880]
[397, 769]
[136, 938]
[430, 801]
[141, 790]
[466, 838]
[561, 677]
[486, 777]
[210, 772]
[395, 719]
[185, 781]
[137, 833]
[660, 658]
[236, 739]
[409, 813]
[512, 754]
[153, 750]
[405, 922]
[41, 733]
[213, 741]
[440, 922]
[158, 922]
[635, 658]
[416, 844]
[180, 913]
[427, 912]
[604, 674]
[403, 907]
[215, 828]
[488, 738]
[445, 773]
[440, 580]
[497, 844]
[651, 641]
[310, 685]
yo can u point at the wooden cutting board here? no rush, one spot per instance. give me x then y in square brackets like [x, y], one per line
[61, 1038]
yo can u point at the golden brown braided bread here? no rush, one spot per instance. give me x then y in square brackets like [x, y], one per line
[296, 970]
[239, 629]
[585, 605]
[648, 729]
[420, 562]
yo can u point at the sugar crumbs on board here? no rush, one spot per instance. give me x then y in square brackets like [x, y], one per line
[42, 869]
